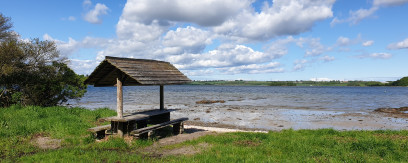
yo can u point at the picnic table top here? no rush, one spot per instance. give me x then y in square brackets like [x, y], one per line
[138, 115]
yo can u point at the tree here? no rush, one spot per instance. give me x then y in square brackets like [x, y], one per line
[33, 73]
[401, 82]
[5, 26]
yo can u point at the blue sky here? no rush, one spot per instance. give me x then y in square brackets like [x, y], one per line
[229, 39]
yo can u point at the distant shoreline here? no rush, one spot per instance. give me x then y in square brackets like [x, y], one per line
[292, 83]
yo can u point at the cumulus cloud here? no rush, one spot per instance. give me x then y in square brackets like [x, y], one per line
[284, 17]
[399, 45]
[190, 39]
[71, 46]
[360, 14]
[145, 30]
[83, 66]
[204, 12]
[226, 55]
[93, 16]
[368, 43]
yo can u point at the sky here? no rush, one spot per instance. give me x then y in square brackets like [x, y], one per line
[230, 39]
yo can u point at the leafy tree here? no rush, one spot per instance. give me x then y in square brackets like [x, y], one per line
[401, 82]
[32, 73]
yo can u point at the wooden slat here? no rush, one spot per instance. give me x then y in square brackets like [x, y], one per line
[138, 116]
[158, 126]
[99, 128]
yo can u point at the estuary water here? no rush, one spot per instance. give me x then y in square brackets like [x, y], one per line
[305, 98]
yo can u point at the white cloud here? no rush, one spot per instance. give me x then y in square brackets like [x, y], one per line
[375, 56]
[327, 58]
[356, 16]
[380, 55]
[226, 55]
[83, 66]
[93, 16]
[190, 39]
[198, 72]
[203, 12]
[343, 41]
[320, 79]
[145, 30]
[284, 17]
[300, 64]
[399, 45]
[272, 67]
[312, 46]
[368, 43]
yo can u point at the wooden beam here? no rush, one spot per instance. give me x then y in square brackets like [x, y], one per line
[161, 97]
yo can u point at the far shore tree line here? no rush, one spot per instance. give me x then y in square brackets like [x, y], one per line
[401, 82]
[33, 72]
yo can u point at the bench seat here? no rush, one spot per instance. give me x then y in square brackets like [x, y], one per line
[178, 127]
[100, 130]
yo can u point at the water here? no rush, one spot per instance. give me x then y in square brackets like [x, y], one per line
[185, 96]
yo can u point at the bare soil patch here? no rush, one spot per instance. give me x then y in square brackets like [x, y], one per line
[45, 142]
[159, 148]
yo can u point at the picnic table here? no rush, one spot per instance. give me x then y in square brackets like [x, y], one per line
[135, 124]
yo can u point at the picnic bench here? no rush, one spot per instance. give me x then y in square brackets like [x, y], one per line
[135, 124]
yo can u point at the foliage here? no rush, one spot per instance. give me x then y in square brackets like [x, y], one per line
[32, 73]
[401, 82]
[282, 83]
[20, 125]
[5, 26]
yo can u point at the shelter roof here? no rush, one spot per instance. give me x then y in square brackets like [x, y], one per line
[134, 72]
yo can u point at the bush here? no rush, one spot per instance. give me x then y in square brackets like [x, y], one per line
[32, 73]
[401, 82]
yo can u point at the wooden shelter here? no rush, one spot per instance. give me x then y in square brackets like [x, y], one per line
[135, 72]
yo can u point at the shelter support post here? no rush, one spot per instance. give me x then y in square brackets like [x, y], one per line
[119, 108]
[161, 97]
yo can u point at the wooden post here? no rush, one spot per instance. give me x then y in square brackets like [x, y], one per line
[119, 108]
[161, 97]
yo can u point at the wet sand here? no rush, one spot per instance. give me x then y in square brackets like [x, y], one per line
[264, 118]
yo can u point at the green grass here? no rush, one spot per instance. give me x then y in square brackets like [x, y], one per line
[19, 125]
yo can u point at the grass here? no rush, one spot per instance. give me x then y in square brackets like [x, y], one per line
[19, 125]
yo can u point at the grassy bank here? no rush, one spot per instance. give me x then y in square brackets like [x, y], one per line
[21, 125]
